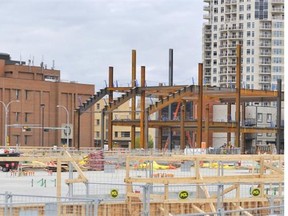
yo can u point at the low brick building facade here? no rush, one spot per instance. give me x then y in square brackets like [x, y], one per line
[30, 95]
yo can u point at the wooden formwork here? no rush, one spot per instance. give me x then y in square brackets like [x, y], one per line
[270, 171]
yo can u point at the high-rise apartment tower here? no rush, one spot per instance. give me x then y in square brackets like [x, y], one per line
[258, 25]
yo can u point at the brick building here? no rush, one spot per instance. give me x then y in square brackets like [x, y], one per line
[29, 96]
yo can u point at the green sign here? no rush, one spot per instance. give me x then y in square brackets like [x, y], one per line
[183, 195]
[114, 193]
[255, 192]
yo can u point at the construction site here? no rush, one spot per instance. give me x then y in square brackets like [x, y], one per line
[195, 179]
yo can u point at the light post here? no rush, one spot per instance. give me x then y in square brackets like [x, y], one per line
[70, 165]
[67, 134]
[6, 109]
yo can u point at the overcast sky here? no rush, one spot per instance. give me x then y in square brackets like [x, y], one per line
[85, 37]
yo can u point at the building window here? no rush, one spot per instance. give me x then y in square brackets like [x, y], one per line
[26, 139]
[17, 116]
[97, 121]
[248, 7]
[97, 106]
[17, 139]
[97, 134]
[116, 133]
[26, 94]
[269, 134]
[17, 92]
[259, 117]
[26, 117]
[125, 134]
[269, 117]
[248, 16]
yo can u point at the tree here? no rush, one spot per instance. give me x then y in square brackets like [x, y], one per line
[150, 142]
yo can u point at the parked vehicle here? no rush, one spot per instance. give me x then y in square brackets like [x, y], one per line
[8, 165]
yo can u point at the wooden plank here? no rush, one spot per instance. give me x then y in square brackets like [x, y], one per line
[208, 179]
[197, 208]
[227, 190]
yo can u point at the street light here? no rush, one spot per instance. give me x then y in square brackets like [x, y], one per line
[67, 135]
[6, 107]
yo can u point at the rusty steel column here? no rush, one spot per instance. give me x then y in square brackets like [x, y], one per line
[182, 128]
[207, 124]
[170, 140]
[133, 101]
[110, 114]
[76, 129]
[160, 129]
[199, 106]
[278, 120]
[238, 95]
[142, 114]
[229, 119]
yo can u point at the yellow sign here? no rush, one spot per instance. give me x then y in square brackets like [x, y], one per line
[255, 192]
[114, 193]
[183, 195]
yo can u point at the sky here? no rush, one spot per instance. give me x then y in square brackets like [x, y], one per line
[85, 37]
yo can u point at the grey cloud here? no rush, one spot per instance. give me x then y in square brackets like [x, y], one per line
[86, 37]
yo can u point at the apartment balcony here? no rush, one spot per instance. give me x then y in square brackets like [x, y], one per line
[208, 31]
[223, 37]
[207, 48]
[232, 63]
[223, 46]
[265, 62]
[206, 8]
[232, 72]
[223, 54]
[263, 81]
[277, 1]
[265, 35]
[265, 26]
[265, 53]
[277, 17]
[232, 55]
[207, 65]
[207, 73]
[277, 10]
[223, 72]
[231, 2]
[265, 44]
[223, 81]
[207, 56]
[207, 16]
[222, 63]
[207, 1]
[207, 40]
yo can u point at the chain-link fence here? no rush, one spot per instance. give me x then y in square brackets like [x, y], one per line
[28, 205]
